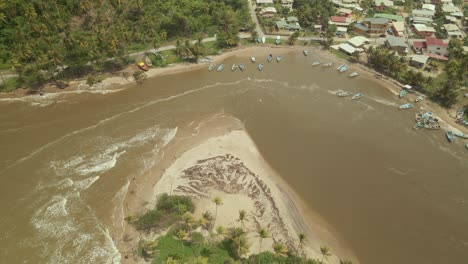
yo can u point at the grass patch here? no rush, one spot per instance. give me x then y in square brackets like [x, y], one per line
[5, 66]
[436, 83]
[10, 84]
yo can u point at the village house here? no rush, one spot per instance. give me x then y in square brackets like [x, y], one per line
[397, 44]
[436, 46]
[390, 17]
[419, 61]
[344, 12]
[264, 2]
[341, 31]
[450, 8]
[432, 47]
[398, 29]
[423, 30]
[380, 5]
[377, 26]
[358, 41]
[268, 11]
[453, 31]
[429, 7]
[340, 21]
[346, 48]
[289, 24]
[422, 20]
[450, 19]
[287, 4]
[351, 1]
[422, 13]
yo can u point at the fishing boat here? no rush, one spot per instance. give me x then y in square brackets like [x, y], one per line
[460, 134]
[327, 64]
[143, 66]
[260, 67]
[279, 58]
[354, 74]
[357, 96]
[405, 106]
[212, 66]
[148, 61]
[419, 98]
[270, 57]
[403, 93]
[234, 67]
[341, 66]
[306, 52]
[466, 145]
[263, 40]
[220, 67]
[344, 94]
[241, 67]
[253, 59]
[450, 136]
[343, 69]
[316, 63]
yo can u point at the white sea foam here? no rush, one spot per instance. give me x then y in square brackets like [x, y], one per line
[102, 163]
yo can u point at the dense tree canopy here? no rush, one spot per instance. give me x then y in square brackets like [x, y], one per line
[40, 38]
[311, 12]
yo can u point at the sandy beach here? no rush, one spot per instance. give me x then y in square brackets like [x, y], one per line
[219, 159]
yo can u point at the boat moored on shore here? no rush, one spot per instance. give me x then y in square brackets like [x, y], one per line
[270, 57]
[316, 63]
[220, 67]
[241, 67]
[344, 94]
[403, 93]
[212, 66]
[450, 136]
[279, 58]
[253, 59]
[344, 68]
[143, 66]
[234, 67]
[306, 52]
[354, 74]
[327, 64]
[260, 67]
[419, 98]
[357, 96]
[405, 106]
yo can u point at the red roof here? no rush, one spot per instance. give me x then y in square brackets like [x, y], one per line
[338, 19]
[435, 42]
[435, 56]
[420, 44]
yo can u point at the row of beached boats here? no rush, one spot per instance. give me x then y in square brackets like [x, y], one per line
[241, 66]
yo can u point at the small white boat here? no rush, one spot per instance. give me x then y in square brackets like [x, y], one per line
[220, 67]
[403, 93]
[253, 59]
[212, 66]
[357, 96]
[263, 40]
[316, 63]
[419, 98]
[241, 67]
[466, 145]
[343, 69]
[306, 52]
[341, 66]
[279, 58]
[405, 106]
[260, 67]
[270, 57]
[234, 67]
[354, 74]
[450, 136]
[327, 64]
[344, 94]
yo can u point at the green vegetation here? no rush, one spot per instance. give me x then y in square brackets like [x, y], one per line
[47, 41]
[314, 12]
[442, 89]
[184, 243]
[9, 84]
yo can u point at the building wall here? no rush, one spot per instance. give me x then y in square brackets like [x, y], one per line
[437, 50]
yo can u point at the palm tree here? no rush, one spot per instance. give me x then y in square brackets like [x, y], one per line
[280, 249]
[302, 239]
[325, 253]
[188, 220]
[170, 260]
[242, 218]
[218, 202]
[239, 241]
[182, 235]
[199, 260]
[220, 231]
[345, 261]
[262, 233]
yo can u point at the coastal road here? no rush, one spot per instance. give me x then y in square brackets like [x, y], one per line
[255, 19]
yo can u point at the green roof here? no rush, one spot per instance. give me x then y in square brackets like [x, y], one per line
[282, 24]
[391, 17]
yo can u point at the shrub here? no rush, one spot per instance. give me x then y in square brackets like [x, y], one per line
[148, 220]
[175, 204]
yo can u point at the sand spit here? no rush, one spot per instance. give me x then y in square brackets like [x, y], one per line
[230, 166]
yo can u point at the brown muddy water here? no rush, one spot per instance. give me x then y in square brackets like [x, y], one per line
[393, 194]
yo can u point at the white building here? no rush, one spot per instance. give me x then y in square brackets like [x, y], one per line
[264, 2]
[287, 4]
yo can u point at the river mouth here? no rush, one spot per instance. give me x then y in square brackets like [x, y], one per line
[389, 191]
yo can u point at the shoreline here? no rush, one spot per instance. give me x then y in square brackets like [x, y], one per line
[446, 116]
[222, 139]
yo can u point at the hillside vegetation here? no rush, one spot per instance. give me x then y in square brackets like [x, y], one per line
[50, 40]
